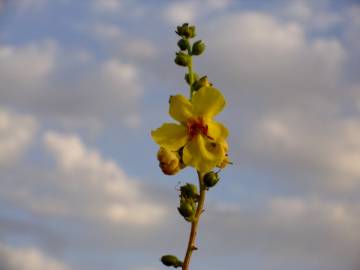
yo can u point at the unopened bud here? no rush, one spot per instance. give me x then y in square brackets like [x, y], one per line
[211, 179]
[186, 209]
[182, 59]
[186, 31]
[169, 161]
[194, 79]
[171, 260]
[183, 44]
[190, 32]
[198, 48]
[189, 191]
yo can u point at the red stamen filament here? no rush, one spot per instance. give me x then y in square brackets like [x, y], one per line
[196, 126]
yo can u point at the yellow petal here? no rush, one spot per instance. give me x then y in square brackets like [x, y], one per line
[217, 131]
[170, 136]
[180, 108]
[208, 102]
[203, 154]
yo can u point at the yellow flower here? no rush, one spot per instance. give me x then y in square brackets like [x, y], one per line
[201, 136]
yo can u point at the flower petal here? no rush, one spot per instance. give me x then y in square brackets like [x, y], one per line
[217, 131]
[170, 136]
[208, 102]
[203, 154]
[180, 108]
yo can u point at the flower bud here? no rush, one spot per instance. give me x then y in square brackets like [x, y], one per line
[183, 44]
[190, 32]
[187, 77]
[186, 31]
[211, 179]
[202, 82]
[189, 191]
[171, 260]
[186, 209]
[169, 161]
[180, 29]
[182, 59]
[198, 48]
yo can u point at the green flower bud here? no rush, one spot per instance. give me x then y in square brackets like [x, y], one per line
[190, 32]
[186, 209]
[171, 260]
[182, 59]
[189, 191]
[187, 77]
[180, 29]
[211, 179]
[198, 48]
[183, 44]
[186, 31]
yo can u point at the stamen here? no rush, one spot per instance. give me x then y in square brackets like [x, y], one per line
[196, 126]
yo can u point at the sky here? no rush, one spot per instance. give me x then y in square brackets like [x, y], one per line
[82, 84]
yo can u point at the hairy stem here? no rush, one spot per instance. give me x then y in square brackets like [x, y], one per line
[194, 225]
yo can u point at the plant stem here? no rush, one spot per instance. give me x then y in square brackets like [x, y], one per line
[190, 72]
[194, 225]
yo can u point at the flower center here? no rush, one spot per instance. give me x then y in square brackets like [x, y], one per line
[197, 126]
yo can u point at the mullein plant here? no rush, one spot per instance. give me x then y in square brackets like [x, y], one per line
[196, 141]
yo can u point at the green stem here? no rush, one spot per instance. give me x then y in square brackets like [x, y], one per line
[190, 72]
[194, 224]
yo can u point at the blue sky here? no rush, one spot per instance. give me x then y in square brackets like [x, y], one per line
[84, 82]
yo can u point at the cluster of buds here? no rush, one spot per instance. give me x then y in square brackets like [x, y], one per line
[188, 198]
[169, 161]
[183, 57]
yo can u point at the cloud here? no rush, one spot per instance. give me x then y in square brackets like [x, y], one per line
[315, 15]
[286, 232]
[96, 90]
[266, 56]
[29, 258]
[190, 11]
[16, 134]
[108, 193]
[26, 67]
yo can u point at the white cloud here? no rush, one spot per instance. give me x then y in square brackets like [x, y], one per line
[180, 12]
[297, 143]
[118, 197]
[315, 15]
[287, 232]
[27, 259]
[32, 78]
[191, 11]
[26, 67]
[263, 55]
[16, 134]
